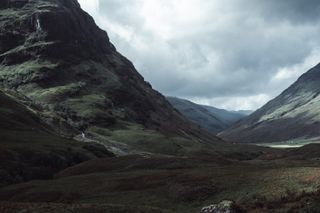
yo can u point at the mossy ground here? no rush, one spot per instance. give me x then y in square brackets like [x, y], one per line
[24, 72]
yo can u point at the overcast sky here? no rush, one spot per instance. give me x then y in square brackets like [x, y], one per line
[233, 54]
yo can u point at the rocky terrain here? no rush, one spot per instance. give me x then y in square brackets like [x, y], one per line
[292, 115]
[210, 118]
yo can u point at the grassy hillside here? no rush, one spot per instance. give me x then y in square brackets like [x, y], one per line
[29, 149]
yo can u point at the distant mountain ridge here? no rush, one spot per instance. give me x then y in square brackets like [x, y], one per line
[229, 117]
[294, 114]
[210, 118]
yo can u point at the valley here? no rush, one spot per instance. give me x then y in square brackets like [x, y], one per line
[82, 131]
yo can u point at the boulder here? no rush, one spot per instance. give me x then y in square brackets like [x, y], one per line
[225, 206]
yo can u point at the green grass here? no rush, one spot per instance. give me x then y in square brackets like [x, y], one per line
[26, 71]
[57, 93]
[143, 140]
[87, 106]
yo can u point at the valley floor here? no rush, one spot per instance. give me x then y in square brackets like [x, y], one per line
[259, 180]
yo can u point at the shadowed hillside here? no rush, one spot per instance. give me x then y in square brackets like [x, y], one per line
[30, 150]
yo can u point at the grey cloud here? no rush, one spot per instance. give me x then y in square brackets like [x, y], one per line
[297, 11]
[232, 52]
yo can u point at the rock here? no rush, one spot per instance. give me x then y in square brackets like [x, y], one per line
[225, 206]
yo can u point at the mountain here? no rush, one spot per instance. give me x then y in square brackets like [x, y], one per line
[294, 114]
[226, 116]
[68, 96]
[210, 118]
[76, 77]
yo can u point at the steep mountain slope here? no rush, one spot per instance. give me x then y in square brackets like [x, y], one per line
[210, 118]
[30, 150]
[52, 52]
[295, 114]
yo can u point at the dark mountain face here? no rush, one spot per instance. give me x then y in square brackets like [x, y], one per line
[293, 114]
[52, 52]
[210, 118]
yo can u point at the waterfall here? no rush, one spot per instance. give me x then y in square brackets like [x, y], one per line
[38, 25]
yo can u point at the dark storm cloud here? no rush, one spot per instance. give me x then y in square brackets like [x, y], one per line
[233, 53]
[297, 11]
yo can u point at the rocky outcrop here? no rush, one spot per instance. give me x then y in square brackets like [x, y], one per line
[294, 114]
[225, 206]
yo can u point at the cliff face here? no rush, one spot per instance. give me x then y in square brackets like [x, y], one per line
[52, 52]
[295, 114]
